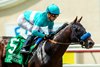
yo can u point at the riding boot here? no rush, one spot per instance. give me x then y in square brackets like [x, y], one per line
[27, 44]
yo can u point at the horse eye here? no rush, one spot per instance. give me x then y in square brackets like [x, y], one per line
[77, 29]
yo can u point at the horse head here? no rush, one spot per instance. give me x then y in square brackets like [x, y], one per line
[79, 34]
[75, 33]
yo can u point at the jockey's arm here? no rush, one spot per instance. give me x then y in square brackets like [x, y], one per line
[26, 25]
[36, 31]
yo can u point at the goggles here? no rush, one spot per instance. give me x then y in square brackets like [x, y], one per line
[53, 15]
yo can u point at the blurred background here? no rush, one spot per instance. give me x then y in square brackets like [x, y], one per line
[89, 9]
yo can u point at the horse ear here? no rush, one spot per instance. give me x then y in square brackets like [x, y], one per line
[75, 20]
[80, 19]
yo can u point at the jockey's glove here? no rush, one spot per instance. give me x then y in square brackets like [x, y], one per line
[48, 36]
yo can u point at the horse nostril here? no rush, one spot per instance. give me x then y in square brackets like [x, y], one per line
[90, 43]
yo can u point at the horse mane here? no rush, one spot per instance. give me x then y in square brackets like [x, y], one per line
[61, 27]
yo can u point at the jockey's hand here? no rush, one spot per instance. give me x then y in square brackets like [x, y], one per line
[47, 37]
[52, 34]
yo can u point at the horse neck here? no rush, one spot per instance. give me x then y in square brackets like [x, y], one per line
[63, 37]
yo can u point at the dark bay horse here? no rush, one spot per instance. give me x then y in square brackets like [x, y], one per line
[49, 53]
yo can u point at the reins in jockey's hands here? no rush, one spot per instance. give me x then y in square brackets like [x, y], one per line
[50, 36]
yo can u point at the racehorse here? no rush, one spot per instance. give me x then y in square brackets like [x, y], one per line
[49, 52]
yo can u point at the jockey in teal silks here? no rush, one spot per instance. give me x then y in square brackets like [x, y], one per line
[34, 20]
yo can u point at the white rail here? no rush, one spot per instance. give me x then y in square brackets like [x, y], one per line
[78, 48]
[81, 65]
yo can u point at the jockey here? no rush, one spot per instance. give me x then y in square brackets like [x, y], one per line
[33, 21]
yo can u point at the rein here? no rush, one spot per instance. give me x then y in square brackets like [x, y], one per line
[55, 42]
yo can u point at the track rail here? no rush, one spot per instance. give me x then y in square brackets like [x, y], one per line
[78, 48]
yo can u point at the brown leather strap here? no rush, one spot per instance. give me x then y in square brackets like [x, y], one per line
[55, 42]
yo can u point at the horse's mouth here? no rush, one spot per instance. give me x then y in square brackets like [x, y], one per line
[88, 45]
